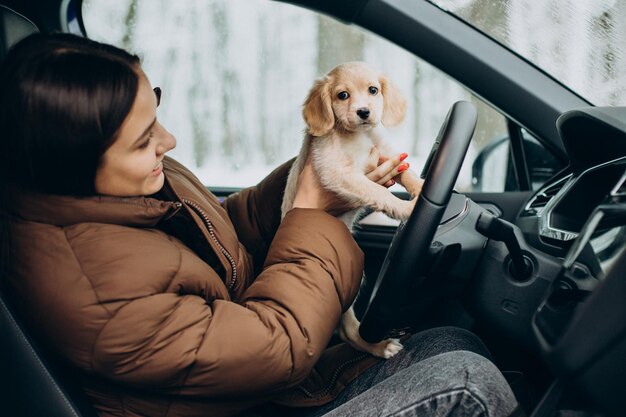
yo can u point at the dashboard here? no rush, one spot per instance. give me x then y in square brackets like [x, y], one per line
[579, 219]
[554, 216]
[571, 308]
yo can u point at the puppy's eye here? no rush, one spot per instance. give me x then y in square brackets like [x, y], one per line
[343, 95]
[373, 90]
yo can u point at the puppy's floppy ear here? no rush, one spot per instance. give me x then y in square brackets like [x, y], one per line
[394, 108]
[317, 110]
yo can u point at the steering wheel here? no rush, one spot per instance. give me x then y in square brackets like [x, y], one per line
[406, 258]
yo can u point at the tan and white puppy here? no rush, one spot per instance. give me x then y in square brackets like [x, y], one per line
[344, 111]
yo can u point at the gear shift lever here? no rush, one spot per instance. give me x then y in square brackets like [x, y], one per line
[502, 231]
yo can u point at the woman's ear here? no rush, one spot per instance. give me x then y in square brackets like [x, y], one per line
[394, 108]
[317, 109]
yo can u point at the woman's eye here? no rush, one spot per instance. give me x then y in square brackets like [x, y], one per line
[373, 90]
[343, 95]
[146, 142]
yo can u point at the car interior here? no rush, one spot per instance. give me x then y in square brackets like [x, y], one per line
[536, 273]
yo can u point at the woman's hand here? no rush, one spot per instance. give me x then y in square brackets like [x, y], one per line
[311, 194]
[387, 171]
[382, 169]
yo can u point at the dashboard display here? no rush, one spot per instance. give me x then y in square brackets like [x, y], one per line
[566, 213]
[587, 191]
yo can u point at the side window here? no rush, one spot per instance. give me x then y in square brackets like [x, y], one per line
[493, 169]
[234, 76]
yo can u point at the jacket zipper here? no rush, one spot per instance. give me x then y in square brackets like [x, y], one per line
[222, 249]
[333, 380]
[176, 206]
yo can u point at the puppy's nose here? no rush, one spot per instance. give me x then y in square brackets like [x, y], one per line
[363, 113]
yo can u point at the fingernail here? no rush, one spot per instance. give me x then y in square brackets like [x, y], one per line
[403, 156]
[393, 182]
[403, 167]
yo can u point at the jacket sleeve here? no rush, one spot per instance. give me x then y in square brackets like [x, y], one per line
[255, 211]
[186, 345]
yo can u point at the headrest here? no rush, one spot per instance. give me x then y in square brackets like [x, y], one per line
[13, 28]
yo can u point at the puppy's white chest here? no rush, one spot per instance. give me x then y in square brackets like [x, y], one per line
[357, 149]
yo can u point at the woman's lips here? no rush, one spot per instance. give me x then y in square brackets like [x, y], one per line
[158, 169]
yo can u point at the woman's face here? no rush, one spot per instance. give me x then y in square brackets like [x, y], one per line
[132, 166]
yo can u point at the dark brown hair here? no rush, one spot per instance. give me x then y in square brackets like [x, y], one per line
[63, 99]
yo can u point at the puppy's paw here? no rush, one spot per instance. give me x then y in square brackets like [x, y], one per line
[349, 333]
[384, 349]
[411, 182]
[387, 348]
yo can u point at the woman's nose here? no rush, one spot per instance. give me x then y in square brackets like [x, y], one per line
[167, 143]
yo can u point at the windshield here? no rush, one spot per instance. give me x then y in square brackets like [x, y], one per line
[581, 43]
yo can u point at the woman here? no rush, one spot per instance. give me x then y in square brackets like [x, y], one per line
[168, 301]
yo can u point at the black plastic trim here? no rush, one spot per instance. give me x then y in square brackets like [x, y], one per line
[520, 165]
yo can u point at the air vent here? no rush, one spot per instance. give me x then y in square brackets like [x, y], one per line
[536, 204]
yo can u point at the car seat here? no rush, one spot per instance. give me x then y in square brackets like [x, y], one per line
[29, 384]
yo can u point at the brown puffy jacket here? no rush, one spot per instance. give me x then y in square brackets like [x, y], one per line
[157, 328]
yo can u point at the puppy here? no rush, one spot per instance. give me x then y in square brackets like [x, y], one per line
[343, 113]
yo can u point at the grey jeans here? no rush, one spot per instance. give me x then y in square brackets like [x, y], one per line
[440, 372]
[457, 383]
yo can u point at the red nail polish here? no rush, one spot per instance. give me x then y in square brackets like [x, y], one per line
[403, 156]
[403, 167]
